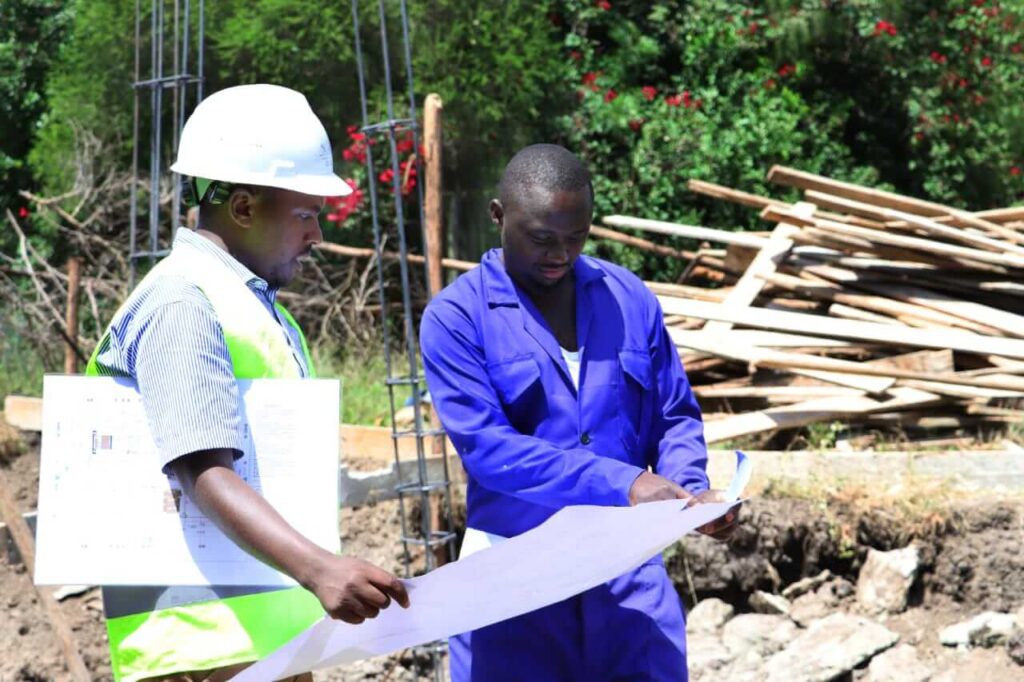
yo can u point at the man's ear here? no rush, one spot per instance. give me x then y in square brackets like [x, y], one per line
[242, 207]
[497, 213]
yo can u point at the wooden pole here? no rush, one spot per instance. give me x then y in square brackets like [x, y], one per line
[71, 317]
[637, 242]
[23, 539]
[432, 140]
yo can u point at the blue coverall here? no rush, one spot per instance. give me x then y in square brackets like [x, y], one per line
[531, 444]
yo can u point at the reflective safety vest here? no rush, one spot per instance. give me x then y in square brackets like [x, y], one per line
[237, 629]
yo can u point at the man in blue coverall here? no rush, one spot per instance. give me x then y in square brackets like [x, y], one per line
[558, 385]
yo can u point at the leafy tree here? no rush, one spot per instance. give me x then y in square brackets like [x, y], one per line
[30, 33]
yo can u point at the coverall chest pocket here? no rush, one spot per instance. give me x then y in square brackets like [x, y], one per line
[634, 395]
[518, 385]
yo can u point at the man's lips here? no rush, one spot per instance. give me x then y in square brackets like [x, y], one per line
[553, 271]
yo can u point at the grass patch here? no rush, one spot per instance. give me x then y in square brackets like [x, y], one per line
[364, 393]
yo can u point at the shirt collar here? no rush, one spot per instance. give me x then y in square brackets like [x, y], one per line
[500, 290]
[189, 239]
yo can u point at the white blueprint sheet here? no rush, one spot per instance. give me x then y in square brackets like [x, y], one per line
[576, 549]
[108, 516]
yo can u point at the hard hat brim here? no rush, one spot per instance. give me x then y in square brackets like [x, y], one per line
[313, 185]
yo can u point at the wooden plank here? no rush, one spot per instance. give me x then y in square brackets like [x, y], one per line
[642, 244]
[810, 181]
[816, 325]
[995, 318]
[918, 244]
[687, 231]
[802, 392]
[685, 291]
[357, 252]
[23, 538]
[913, 221]
[765, 263]
[910, 313]
[763, 357]
[432, 148]
[813, 411]
[757, 337]
[23, 412]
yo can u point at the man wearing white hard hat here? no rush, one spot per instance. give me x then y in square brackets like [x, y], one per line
[260, 166]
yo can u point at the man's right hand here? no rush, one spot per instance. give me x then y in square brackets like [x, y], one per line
[353, 590]
[650, 487]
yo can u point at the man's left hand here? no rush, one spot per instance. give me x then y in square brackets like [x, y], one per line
[724, 526]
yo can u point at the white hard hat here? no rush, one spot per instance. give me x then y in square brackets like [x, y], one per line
[259, 135]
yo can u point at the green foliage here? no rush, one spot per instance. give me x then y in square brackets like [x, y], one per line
[31, 32]
[89, 117]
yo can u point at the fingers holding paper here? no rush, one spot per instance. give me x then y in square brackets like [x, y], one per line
[353, 590]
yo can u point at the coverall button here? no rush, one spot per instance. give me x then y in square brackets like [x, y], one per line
[585, 438]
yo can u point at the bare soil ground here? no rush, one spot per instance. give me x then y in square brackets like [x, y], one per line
[971, 561]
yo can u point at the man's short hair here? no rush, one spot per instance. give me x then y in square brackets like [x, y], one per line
[549, 166]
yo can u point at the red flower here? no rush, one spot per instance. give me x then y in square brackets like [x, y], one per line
[919, 136]
[884, 26]
[344, 206]
[687, 100]
[979, 99]
[404, 145]
[603, 4]
[610, 95]
[386, 176]
[650, 92]
[1015, 48]
[575, 55]
[986, 61]
[964, 82]
[590, 79]
[786, 70]
[769, 84]
[673, 100]
[752, 29]
[1014, 170]
[979, 3]
[22, 212]
[938, 58]
[636, 124]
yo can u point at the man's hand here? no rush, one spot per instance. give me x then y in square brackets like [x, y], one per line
[724, 526]
[650, 487]
[353, 590]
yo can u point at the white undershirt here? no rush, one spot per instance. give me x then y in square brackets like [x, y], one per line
[572, 360]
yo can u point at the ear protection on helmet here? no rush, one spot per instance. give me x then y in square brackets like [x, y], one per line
[195, 191]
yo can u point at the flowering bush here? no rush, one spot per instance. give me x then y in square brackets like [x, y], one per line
[914, 96]
[351, 214]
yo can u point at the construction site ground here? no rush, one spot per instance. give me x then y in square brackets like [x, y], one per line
[970, 548]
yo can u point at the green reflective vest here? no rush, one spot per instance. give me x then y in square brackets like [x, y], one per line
[213, 634]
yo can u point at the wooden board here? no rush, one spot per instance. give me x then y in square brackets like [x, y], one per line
[687, 231]
[816, 325]
[813, 411]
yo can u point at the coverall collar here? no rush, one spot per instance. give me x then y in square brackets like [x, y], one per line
[501, 291]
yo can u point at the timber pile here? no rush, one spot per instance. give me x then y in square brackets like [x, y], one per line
[859, 306]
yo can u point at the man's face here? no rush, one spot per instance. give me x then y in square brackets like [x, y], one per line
[542, 234]
[283, 226]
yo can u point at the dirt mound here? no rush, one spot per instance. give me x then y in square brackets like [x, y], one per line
[971, 554]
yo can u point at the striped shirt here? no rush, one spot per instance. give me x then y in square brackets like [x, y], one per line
[166, 337]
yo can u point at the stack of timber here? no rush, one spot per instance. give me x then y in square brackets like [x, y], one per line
[859, 306]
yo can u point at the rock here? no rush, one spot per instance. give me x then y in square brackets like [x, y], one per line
[984, 630]
[766, 602]
[62, 593]
[899, 664]
[706, 654]
[1015, 647]
[885, 579]
[809, 608]
[708, 616]
[841, 588]
[806, 585]
[757, 633]
[830, 647]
